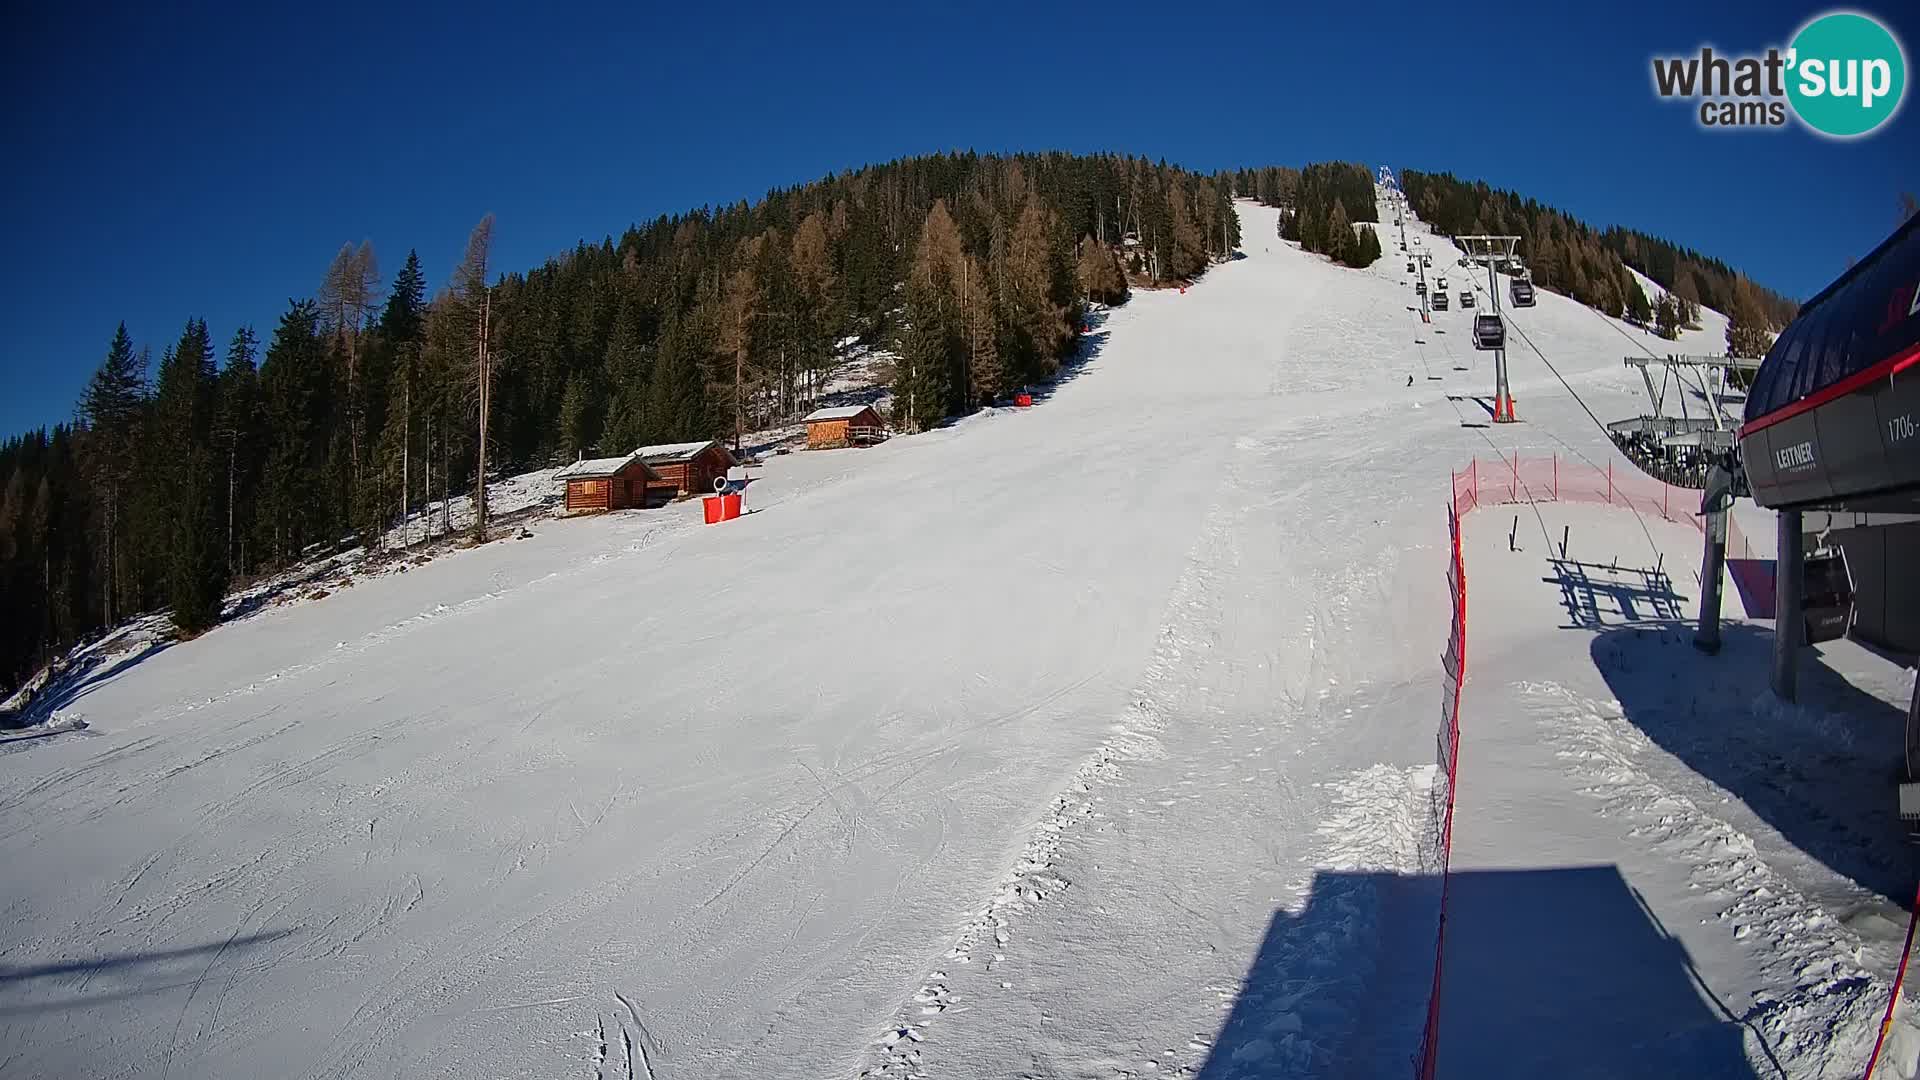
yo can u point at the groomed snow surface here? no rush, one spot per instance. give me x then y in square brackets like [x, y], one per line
[1090, 740]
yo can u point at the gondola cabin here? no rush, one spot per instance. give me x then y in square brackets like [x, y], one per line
[685, 468]
[849, 425]
[1826, 596]
[600, 484]
[1489, 331]
[1521, 292]
[1440, 300]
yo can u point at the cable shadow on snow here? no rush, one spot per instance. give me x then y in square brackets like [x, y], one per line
[116, 976]
[1823, 773]
[1549, 972]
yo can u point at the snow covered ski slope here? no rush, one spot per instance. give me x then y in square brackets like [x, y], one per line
[1088, 740]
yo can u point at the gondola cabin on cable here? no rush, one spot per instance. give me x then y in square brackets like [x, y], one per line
[849, 425]
[1521, 292]
[1439, 299]
[685, 468]
[598, 484]
[1466, 298]
[1489, 331]
[1832, 431]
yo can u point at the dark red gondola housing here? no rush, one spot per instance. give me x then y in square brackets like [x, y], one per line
[1833, 416]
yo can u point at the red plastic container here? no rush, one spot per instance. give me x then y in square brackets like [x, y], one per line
[1023, 399]
[714, 508]
[730, 506]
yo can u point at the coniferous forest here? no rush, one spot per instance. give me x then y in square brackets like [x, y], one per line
[1589, 265]
[222, 458]
[1328, 208]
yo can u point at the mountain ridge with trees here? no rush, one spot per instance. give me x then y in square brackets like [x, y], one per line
[1588, 264]
[365, 401]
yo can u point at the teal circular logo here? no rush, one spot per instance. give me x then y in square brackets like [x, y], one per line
[1846, 74]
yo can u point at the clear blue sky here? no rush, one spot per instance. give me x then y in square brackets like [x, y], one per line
[209, 162]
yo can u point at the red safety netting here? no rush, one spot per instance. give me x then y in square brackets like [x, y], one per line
[1552, 478]
[1507, 481]
[1453, 667]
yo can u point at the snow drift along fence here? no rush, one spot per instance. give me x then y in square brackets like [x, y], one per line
[1510, 481]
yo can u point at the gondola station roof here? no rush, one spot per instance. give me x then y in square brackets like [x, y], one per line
[1831, 418]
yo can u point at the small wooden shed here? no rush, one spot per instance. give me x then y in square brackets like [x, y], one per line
[607, 483]
[686, 468]
[848, 425]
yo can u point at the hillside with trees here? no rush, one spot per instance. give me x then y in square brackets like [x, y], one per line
[177, 479]
[214, 464]
[1327, 208]
[1571, 257]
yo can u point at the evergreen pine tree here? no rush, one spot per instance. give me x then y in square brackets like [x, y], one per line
[184, 401]
[237, 436]
[293, 407]
[921, 383]
[111, 409]
[627, 380]
[580, 412]
[1188, 248]
[1639, 308]
[1339, 234]
[1365, 248]
[1666, 317]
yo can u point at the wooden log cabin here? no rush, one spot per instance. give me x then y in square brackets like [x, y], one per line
[850, 425]
[685, 468]
[607, 484]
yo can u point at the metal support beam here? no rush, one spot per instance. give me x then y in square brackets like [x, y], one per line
[1789, 577]
[1712, 568]
[1497, 249]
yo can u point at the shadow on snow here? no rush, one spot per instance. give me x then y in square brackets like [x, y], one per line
[1822, 773]
[115, 976]
[1549, 972]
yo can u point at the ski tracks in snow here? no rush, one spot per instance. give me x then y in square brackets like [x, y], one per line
[1821, 1008]
[1197, 684]
[1033, 879]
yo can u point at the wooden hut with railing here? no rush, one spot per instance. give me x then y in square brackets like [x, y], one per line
[849, 425]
